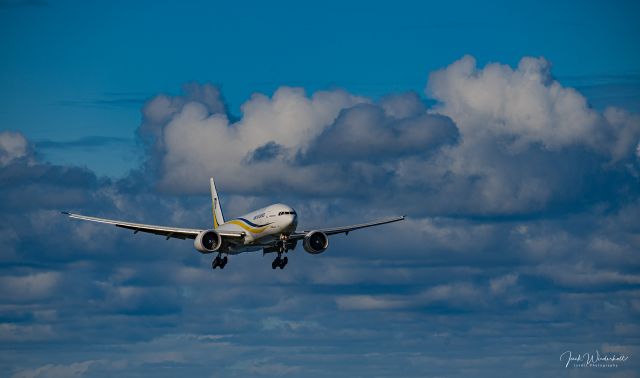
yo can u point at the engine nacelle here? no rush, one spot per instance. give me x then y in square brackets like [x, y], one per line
[207, 241]
[315, 242]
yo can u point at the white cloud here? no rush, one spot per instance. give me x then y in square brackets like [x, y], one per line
[501, 284]
[76, 369]
[13, 146]
[525, 104]
[197, 143]
[264, 366]
[272, 323]
[29, 287]
[370, 302]
[585, 274]
[459, 294]
[526, 141]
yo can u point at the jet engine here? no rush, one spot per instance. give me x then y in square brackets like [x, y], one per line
[315, 242]
[207, 241]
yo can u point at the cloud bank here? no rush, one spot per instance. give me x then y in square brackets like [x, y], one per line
[502, 141]
[521, 241]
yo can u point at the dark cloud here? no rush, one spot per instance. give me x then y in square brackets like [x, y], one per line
[160, 109]
[403, 105]
[268, 151]
[521, 244]
[84, 142]
[365, 132]
[28, 184]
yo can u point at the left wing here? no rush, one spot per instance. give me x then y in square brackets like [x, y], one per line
[169, 232]
[345, 229]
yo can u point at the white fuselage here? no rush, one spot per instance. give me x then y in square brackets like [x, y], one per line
[261, 226]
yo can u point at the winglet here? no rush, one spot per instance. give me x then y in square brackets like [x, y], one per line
[216, 211]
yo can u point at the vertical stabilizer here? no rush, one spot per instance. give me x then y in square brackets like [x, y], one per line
[218, 219]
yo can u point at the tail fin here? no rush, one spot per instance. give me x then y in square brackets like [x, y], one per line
[218, 219]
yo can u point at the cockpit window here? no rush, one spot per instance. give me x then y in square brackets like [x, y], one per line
[286, 213]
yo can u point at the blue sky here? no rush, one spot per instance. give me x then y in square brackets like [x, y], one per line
[508, 133]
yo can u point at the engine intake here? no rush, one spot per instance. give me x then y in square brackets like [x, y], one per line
[316, 242]
[207, 241]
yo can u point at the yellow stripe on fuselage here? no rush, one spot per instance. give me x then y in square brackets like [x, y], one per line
[253, 230]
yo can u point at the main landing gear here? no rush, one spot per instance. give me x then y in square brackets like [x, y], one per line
[282, 247]
[279, 262]
[219, 262]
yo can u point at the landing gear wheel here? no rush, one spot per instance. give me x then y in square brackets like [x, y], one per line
[275, 263]
[219, 262]
[283, 262]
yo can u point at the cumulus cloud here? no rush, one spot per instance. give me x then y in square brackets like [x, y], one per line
[528, 144]
[288, 141]
[197, 141]
[499, 140]
[524, 106]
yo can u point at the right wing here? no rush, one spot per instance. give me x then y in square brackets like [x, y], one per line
[346, 229]
[169, 232]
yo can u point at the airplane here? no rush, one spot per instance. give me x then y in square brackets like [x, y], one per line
[271, 229]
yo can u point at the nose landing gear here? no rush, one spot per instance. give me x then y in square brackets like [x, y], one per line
[280, 247]
[219, 262]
